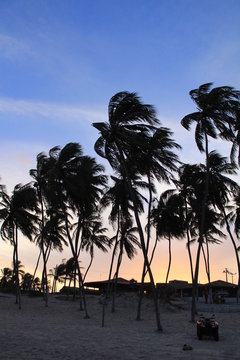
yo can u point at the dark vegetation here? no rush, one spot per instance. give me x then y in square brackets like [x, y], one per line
[64, 204]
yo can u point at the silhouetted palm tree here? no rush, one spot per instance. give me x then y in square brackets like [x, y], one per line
[16, 214]
[6, 278]
[222, 190]
[157, 162]
[93, 236]
[215, 117]
[51, 237]
[40, 183]
[117, 196]
[131, 124]
[58, 273]
[168, 218]
[74, 184]
[188, 176]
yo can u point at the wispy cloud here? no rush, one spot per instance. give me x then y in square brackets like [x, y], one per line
[51, 110]
[11, 48]
[220, 61]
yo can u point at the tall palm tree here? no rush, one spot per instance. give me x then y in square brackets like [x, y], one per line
[188, 176]
[158, 162]
[16, 214]
[126, 134]
[222, 190]
[74, 184]
[215, 118]
[40, 183]
[51, 237]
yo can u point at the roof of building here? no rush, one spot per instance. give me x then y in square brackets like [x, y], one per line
[220, 283]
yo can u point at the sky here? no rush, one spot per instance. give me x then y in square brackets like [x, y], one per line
[61, 62]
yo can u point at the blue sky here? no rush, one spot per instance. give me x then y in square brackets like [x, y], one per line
[61, 61]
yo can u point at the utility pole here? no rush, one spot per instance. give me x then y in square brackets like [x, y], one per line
[232, 274]
[226, 272]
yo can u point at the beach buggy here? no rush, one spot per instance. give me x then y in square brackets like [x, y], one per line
[207, 327]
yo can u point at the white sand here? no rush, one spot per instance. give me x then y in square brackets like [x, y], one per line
[60, 332]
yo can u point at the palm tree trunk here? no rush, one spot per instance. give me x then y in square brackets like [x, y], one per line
[141, 290]
[36, 267]
[116, 276]
[188, 240]
[17, 272]
[45, 285]
[147, 248]
[78, 267]
[78, 253]
[112, 260]
[90, 264]
[14, 265]
[209, 273]
[201, 232]
[170, 258]
[110, 270]
[205, 262]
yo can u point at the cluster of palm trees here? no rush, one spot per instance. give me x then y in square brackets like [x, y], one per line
[65, 202]
[27, 281]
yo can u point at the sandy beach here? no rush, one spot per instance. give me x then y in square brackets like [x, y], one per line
[61, 332]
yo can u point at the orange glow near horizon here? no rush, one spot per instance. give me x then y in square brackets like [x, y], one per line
[221, 257]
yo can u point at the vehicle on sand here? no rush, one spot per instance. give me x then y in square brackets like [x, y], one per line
[207, 327]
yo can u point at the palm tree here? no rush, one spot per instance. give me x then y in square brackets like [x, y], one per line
[94, 236]
[215, 118]
[131, 124]
[6, 278]
[40, 183]
[59, 274]
[222, 189]
[188, 176]
[16, 214]
[235, 150]
[74, 184]
[51, 237]
[168, 218]
[158, 162]
[121, 207]
[26, 283]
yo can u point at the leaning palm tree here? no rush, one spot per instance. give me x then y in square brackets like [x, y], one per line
[40, 183]
[215, 118]
[126, 135]
[74, 186]
[16, 214]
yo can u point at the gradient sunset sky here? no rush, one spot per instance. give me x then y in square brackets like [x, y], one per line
[60, 63]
